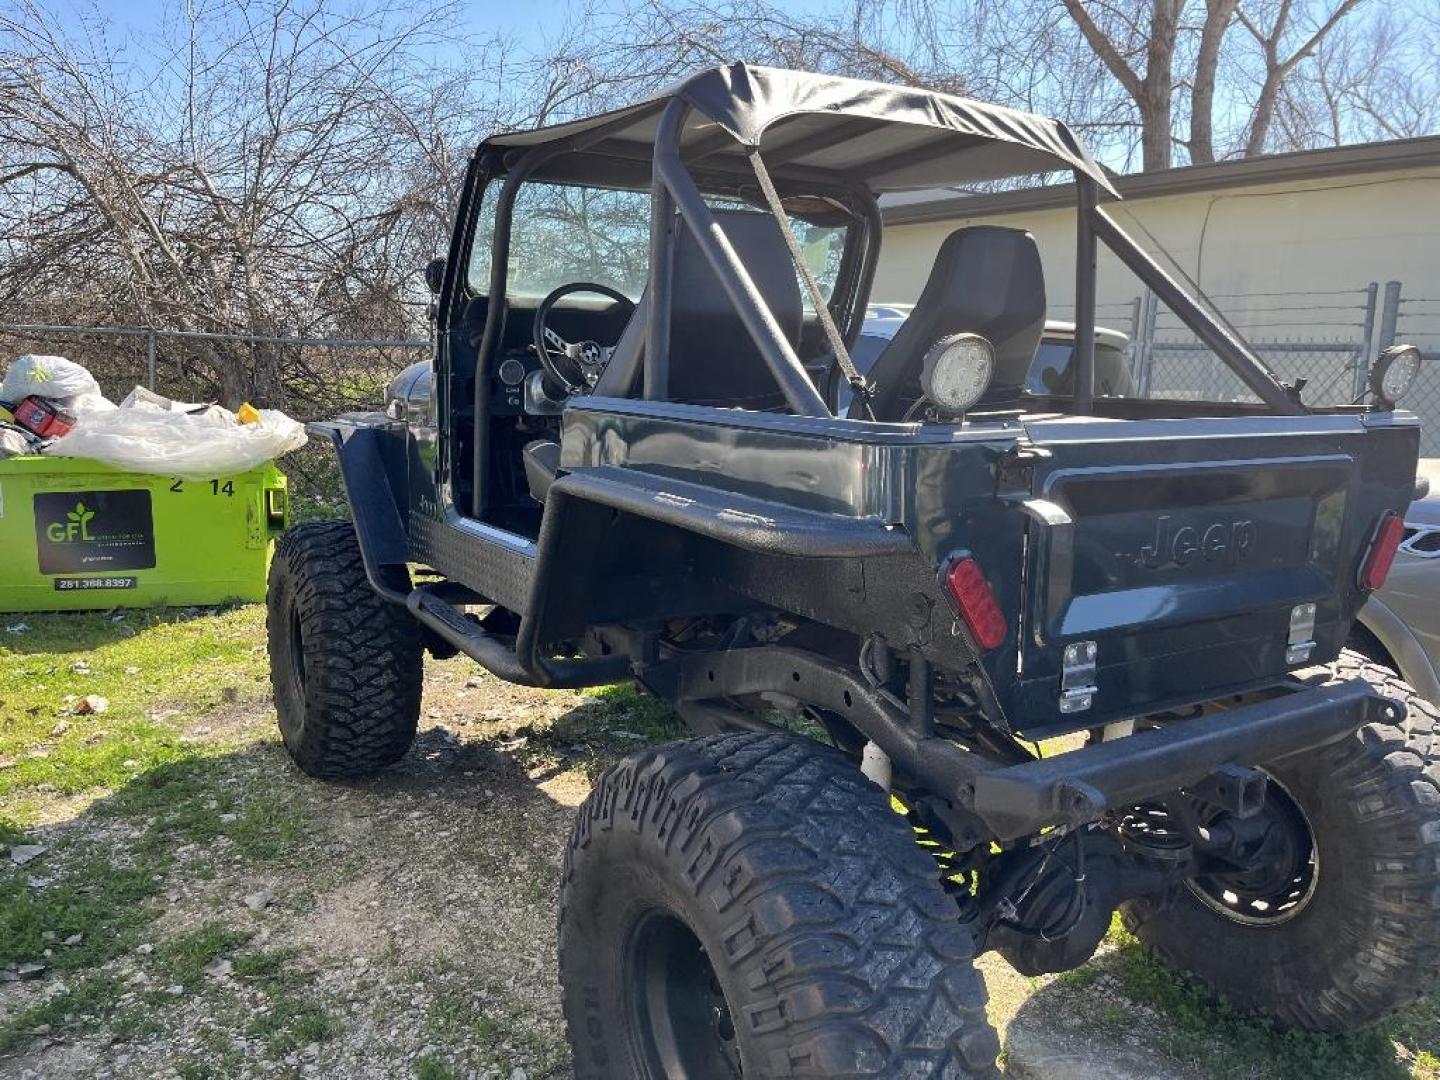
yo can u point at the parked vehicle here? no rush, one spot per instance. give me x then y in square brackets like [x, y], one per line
[1399, 626]
[876, 608]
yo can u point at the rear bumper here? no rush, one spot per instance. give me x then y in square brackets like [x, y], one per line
[1078, 786]
[1012, 801]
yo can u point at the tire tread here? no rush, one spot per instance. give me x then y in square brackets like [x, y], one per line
[850, 951]
[363, 656]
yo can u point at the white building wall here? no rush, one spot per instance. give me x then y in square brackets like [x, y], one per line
[1315, 237]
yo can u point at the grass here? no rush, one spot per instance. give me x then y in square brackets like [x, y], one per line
[161, 808]
[144, 663]
[182, 959]
[97, 898]
[82, 1006]
[491, 1033]
[432, 1067]
[1209, 1035]
[161, 802]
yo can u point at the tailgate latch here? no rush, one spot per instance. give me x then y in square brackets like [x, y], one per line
[1301, 642]
[1077, 677]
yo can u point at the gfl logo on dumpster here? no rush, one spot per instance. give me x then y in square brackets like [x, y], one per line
[76, 525]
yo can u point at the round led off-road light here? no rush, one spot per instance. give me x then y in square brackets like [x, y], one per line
[957, 371]
[1394, 373]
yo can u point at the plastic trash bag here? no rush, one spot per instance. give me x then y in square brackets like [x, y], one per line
[147, 437]
[33, 375]
[15, 441]
[81, 404]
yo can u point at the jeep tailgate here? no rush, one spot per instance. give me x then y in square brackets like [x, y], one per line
[1191, 543]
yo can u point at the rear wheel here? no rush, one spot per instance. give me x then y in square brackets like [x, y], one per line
[345, 665]
[750, 906]
[1339, 923]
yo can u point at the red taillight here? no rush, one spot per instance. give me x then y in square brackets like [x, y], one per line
[973, 596]
[1388, 535]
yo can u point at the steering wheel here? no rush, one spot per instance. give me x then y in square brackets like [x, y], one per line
[574, 366]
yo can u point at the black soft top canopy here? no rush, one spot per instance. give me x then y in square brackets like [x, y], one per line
[816, 127]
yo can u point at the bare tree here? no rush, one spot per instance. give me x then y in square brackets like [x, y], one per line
[1130, 37]
[1286, 33]
[1283, 44]
[1218, 16]
[278, 169]
[1366, 81]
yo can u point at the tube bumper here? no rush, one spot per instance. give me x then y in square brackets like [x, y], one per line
[1079, 786]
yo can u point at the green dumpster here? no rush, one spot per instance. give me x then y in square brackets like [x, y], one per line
[79, 534]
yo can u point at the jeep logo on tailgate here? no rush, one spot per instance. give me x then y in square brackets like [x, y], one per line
[1222, 542]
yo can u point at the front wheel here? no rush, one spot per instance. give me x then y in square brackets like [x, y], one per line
[750, 906]
[345, 665]
[1341, 926]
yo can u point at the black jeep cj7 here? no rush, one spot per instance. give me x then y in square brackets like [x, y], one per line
[870, 620]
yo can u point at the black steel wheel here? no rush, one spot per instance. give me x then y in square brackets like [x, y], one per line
[678, 1006]
[1281, 870]
[345, 665]
[1335, 921]
[751, 906]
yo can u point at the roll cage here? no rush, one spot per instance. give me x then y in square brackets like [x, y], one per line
[845, 143]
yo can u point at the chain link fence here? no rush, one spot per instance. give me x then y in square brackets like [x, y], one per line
[1328, 339]
[1417, 321]
[309, 378]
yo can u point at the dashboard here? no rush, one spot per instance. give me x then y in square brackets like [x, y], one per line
[576, 318]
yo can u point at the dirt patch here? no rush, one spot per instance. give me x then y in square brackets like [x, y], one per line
[407, 928]
[401, 927]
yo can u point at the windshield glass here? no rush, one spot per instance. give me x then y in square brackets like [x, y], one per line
[561, 233]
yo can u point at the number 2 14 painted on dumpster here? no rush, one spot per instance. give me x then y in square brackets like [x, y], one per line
[216, 487]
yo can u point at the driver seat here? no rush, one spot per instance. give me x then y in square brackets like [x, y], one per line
[716, 361]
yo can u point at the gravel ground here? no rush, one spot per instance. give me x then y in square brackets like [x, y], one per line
[408, 923]
[399, 927]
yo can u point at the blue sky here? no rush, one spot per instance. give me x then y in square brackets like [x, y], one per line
[527, 20]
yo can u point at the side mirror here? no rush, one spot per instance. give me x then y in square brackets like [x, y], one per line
[435, 275]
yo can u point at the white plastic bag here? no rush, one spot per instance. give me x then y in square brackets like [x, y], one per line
[48, 377]
[192, 446]
[81, 404]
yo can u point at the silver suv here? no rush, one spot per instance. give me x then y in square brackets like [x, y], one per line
[1399, 626]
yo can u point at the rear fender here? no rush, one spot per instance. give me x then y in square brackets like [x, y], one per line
[620, 545]
[1399, 641]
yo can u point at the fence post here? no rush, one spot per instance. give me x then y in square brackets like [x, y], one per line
[1389, 315]
[1365, 354]
[150, 360]
[1143, 357]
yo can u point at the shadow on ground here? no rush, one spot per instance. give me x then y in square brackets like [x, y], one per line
[238, 919]
[74, 631]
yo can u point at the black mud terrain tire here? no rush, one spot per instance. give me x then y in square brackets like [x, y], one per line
[750, 905]
[1367, 939]
[345, 665]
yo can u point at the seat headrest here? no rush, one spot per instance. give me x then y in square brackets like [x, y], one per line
[714, 361]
